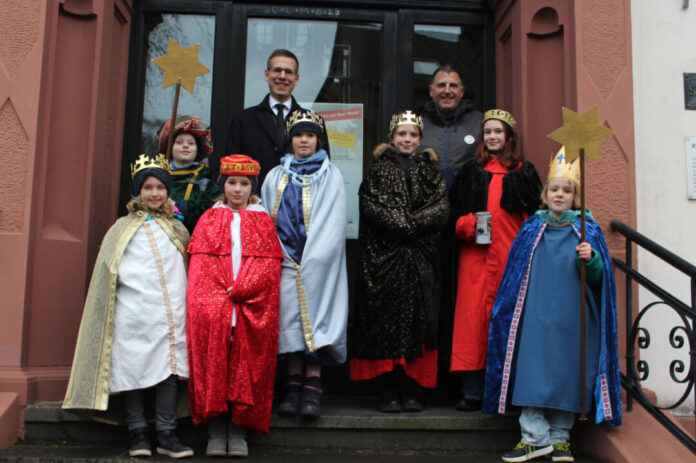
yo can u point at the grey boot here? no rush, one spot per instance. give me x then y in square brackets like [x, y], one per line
[236, 441]
[217, 437]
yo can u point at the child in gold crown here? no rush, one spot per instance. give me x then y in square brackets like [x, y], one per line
[534, 343]
[403, 210]
[306, 198]
[133, 331]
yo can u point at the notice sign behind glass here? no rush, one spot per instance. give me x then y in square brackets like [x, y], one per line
[691, 167]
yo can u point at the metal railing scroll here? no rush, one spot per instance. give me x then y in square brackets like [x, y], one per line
[681, 336]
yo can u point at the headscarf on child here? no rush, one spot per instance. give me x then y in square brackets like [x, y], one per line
[193, 125]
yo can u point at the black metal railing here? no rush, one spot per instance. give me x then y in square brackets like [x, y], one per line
[680, 336]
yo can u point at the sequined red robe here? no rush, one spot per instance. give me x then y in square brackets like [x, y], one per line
[242, 374]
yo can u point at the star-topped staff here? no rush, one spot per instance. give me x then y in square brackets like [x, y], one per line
[581, 134]
[181, 67]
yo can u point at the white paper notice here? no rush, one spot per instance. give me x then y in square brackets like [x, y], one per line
[344, 126]
[691, 167]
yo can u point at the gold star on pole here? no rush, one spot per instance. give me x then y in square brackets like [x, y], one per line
[180, 63]
[581, 131]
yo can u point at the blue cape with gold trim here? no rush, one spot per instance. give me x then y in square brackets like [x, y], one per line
[511, 294]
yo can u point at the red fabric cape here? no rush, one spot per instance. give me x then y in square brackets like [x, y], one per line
[242, 374]
[423, 369]
[479, 273]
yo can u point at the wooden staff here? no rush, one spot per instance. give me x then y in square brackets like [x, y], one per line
[583, 295]
[173, 119]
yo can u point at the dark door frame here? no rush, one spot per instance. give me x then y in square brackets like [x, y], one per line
[396, 16]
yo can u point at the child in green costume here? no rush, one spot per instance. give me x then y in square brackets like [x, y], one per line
[193, 191]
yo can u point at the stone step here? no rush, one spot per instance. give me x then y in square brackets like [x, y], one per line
[350, 427]
[346, 423]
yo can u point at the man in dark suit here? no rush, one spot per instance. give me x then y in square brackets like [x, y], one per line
[259, 131]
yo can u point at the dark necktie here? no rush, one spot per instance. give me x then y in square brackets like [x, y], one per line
[280, 123]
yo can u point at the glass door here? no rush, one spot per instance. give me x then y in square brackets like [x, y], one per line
[343, 57]
[359, 63]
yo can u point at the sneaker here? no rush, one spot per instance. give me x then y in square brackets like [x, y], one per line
[169, 444]
[139, 443]
[524, 452]
[561, 452]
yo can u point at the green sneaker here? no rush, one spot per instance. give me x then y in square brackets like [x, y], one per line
[524, 452]
[561, 452]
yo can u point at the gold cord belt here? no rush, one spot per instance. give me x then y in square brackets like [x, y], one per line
[302, 297]
[165, 293]
[304, 311]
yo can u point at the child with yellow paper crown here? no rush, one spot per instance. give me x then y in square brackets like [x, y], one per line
[534, 342]
[133, 331]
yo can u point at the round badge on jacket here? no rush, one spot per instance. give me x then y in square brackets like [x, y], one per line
[469, 139]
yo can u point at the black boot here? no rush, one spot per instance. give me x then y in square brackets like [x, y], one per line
[311, 397]
[217, 435]
[389, 386]
[471, 390]
[292, 394]
[410, 395]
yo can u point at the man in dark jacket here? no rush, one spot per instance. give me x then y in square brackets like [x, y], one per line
[259, 131]
[450, 125]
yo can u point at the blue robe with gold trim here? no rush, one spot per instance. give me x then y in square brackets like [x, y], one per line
[508, 318]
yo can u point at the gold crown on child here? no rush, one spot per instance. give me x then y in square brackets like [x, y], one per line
[407, 117]
[148, 162]
[500, 115]
[560, 168]
[304, 115]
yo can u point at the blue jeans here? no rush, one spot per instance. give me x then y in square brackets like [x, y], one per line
[545, 426]
[165, 406]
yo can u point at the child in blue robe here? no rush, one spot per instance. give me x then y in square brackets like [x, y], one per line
[306, 199]
[534, 340]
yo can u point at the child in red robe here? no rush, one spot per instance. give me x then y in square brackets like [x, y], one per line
[233, 298]
[499, 181]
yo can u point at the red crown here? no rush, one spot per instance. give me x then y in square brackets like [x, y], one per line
[239, 164]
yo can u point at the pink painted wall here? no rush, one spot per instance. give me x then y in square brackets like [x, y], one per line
[553, 53]
[22, 29]
[63, 68]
